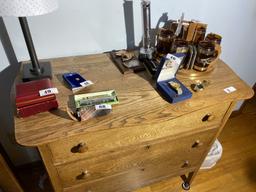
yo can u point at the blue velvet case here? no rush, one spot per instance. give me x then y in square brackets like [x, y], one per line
[165, 75]
[74, 80]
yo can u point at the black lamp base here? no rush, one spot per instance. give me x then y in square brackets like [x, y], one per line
[30, 75]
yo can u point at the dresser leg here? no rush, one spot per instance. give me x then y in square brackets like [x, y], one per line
[51, 170]
[185, 186]
[187, 180]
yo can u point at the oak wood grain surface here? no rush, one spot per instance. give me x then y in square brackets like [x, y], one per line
[140, 105]
[127, 180]
[236, 170]
[105, 141]
[51, 170]
[145, 156]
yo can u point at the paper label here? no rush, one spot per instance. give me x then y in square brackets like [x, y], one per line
[86, 83]
[170, 68]
[48, 91]
[230, 89]
[103, 106]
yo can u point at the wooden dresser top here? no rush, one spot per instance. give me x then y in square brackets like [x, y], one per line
[140, 104]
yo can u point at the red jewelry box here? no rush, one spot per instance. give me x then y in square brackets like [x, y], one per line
[37, 108]
[28, 100]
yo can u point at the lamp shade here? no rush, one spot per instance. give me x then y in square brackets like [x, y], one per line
[23, 8]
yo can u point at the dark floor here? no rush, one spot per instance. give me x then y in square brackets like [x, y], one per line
[33, 178]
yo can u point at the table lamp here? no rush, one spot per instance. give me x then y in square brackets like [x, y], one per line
[21, 9]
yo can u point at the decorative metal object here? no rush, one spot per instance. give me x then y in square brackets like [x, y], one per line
[164, 41]
[199, 85]
[146, 50]
[215, 38]
[205, 55]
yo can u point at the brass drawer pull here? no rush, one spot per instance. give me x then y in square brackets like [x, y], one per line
[186, 164]
[83, 175]
[80, 148]
[208, 117]
[197, 144]
[147, 147]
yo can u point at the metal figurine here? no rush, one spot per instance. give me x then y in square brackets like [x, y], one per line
[146, 50]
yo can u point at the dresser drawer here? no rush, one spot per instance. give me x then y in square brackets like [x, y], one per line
[159, 158]
[93, 144]
[125, 182]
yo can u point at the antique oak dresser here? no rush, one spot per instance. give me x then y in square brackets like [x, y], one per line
[143, 140]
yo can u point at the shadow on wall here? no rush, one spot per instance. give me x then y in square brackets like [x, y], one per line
[17, 154]
[129, 26]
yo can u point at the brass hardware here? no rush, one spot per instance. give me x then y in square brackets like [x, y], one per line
[197, 143]
[80, 148]
[208, 117]
[83, 175]
[186, 164]
[199, 85]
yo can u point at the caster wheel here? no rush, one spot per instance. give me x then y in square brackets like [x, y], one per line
[185, 186]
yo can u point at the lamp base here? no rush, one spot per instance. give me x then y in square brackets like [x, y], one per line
[30, 75]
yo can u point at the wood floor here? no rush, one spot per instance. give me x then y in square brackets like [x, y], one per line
[236, 171]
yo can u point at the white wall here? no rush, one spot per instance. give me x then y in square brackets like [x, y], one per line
[3, 59]
[235, 20]
[84, 27]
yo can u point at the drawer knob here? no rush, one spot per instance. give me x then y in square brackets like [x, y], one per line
[83, 175]
[185, 164]
[208, 117]
[197, 143]
[80, 148]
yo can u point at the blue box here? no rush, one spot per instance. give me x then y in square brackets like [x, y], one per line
[166, 72]
[74, 80]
